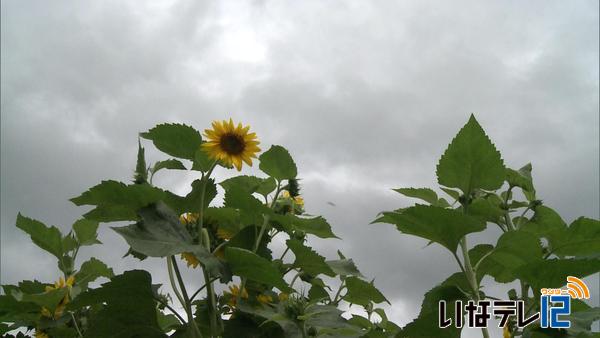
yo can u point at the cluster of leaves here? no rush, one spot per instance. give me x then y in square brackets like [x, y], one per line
[230, 246]
[536, 247]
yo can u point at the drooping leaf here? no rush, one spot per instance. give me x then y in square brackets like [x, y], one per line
[47, 238]
[362, 293]
[177, 140]
[277, 163]
[86, 232]
[308, 260]
[130, 308]
[443, 226]
[161, 234]
[245, 263]
[192, 202]
[471, 161]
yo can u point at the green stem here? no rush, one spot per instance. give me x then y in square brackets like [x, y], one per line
[470, 273]
[76, 326]
[205, 179]
[260, 234]
[186, 299]
[339, 291]
[507, 220]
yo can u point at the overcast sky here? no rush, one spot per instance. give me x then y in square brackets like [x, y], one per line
[366, 96]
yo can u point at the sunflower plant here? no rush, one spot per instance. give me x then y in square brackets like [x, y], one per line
[534, 248]
[247, 290]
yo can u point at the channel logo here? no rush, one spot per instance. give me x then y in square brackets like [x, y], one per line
[555, 305]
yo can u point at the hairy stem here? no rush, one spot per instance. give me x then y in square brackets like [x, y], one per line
[187, 304]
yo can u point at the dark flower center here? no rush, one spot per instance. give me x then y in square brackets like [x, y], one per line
[232, 144]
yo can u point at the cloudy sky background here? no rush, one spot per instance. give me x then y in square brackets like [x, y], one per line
[366, 96]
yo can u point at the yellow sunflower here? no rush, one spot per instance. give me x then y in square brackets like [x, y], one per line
[231, 144]
[61, 283]
[264, 299]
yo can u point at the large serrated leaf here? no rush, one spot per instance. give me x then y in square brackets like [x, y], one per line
[177, 140]
[86, 232]
[308, 260]
[91, 270]
[362, 293]
[443, 226]
[513, 250]
[47, 238]
[553, 273]
[277, 163]
[129, 307]
[245, 263]
[471, 161]
[317, 226]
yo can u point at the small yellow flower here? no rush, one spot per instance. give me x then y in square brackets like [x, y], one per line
[298, 200]
[234, 291]
[224, 234]
[189, 218]
[506, 332]
[264, 299]
[283, 297]
[285, 194]
[61, 283]
[40, 334]
[231, 144]
[191, 259]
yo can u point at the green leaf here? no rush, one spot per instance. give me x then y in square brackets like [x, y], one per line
[308, 260]
[238, 198]
[426, 324]
[86, 232]
[113, 193]
[580, 239]
[522, 178]
[69, 243]
[344, 267]
[424, 194]
[202, 162]
[548, 224]
[250, 184]
[471, 161]
[91, 270]
[161, 234]
[317, 293]
[277, 163]
[487, 208]
[513, 250]
[47, 238]
[443, 226]
[50, 300]
[362, 293]
[553, 273]
[245, 263]
[168, 164]
[111, 213]
[130, 308]
[192, 201]
[317, 226]
[176, 140]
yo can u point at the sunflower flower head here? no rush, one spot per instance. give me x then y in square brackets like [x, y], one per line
[231, 144]
[191, 259]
